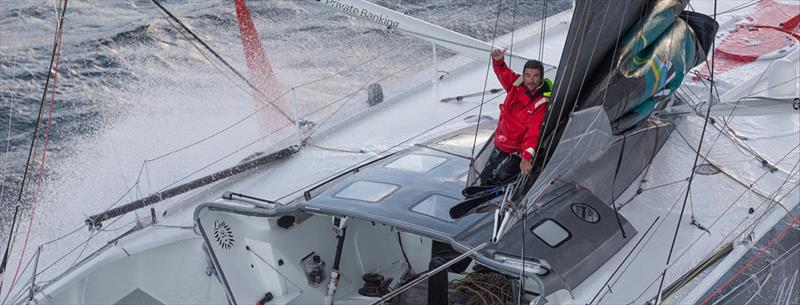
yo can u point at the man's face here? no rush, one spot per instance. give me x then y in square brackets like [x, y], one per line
[531, 78]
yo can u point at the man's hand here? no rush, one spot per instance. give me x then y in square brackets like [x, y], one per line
[497, 54]
[525, 166]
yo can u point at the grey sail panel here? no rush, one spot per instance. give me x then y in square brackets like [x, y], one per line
[593, 35]
[649, 63]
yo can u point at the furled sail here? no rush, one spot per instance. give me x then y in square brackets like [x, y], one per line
[651, 62]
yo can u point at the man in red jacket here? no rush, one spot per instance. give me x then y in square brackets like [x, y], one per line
[521, 116]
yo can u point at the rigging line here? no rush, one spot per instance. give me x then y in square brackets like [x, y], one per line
[135, 184]
[735, 106]
[249, 92]
[55, 58]
[522, 232]
[63, 236]
[582, 24]
[635, 246]
[591, 56]
[614, 182]
[691, 176]
[777, 190]
[729, 132]
[769, 266]
[666, 184]
[655, 279]
[513, 24]
[542, 32]
[300, 290]
[740, 7]
[3, 189]
[138, 180]
[712, 225]
[728, 174]
[428, 274]
[8, 135]
[485, 82]
[21, 291]
[91, 236]
[31, 152]
[616, 47]
[225, 157]
[753, 259]
[106, 229]
[366, 160]
[250, 84]
[402, 250]
[776, 85]
[349, 97]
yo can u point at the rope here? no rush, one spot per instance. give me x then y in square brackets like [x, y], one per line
[691, 176]
[8, 135]
[3, 188]
[379, 154]
[738, 180]
[485, 82]
[635, 246]
[716, 221]
[542, 34]
[350, 96]
[753, 259]
[250, 93]
[513, 27]
[185, 28]
[55, 57]
[583, 22]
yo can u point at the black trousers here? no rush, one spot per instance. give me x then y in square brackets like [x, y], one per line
[500, 168]
[441, 253]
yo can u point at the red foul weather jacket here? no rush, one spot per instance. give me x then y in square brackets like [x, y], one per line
[521, 114]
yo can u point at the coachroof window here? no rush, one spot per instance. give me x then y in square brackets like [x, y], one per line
[416, 163]
[369, 191]
[467, 139]
[550, 232]
[437, 206]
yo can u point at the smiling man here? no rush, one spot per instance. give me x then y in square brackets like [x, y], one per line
[521, 116]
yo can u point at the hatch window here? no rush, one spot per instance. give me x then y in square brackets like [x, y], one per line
[369, 191]
[585, 212]
[416, 163]
[467, 139]
[550, 232]
[437, 206]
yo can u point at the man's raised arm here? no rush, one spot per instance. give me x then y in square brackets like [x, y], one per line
[504, 74]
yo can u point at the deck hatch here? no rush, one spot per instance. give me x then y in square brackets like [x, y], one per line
[416, 163]
[437, 206]
[550, 232]
[369, 191]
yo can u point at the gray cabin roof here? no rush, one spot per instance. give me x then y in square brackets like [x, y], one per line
[414, 189]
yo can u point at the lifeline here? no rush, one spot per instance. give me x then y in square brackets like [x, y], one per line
[363, 13]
